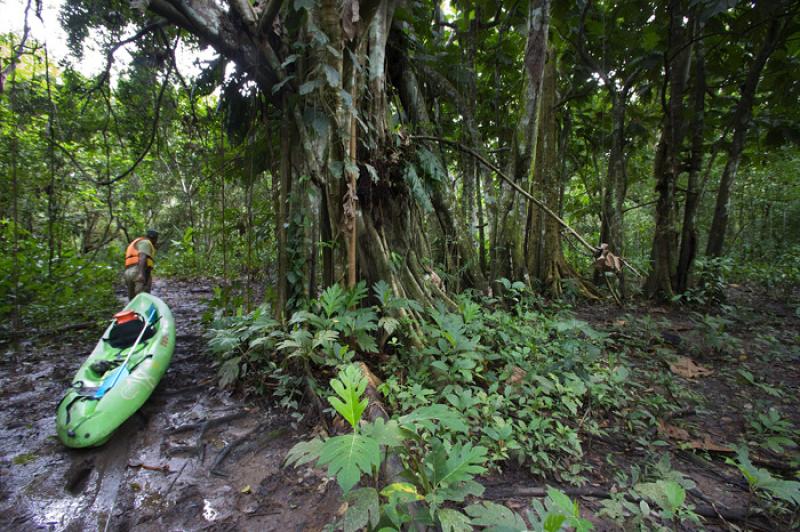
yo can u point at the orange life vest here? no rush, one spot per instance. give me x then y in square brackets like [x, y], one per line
[132, 254]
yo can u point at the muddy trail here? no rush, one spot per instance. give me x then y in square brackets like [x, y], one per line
[196, 458]
[192, 458]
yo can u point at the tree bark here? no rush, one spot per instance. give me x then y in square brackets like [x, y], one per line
[282, 219]
[667, 163]
[535, 58]
[546, 261]
[741, 123]
[689, 237]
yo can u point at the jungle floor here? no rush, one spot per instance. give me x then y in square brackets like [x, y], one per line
[197, 458]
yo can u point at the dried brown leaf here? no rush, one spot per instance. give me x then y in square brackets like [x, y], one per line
[687, 368]
[517, 376]
[673, 432]
[709, 445]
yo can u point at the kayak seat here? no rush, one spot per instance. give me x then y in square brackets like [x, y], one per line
[124, 335]
[100, 367]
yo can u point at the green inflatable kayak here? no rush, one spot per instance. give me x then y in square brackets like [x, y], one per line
[119, 375]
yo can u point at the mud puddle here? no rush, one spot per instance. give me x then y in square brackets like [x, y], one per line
[193, 458]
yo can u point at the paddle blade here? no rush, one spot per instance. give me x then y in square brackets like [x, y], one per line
[115, 376]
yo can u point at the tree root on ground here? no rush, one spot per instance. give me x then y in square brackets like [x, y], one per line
[198, 448]
[319, 407]
[223, 454]
[206, 424]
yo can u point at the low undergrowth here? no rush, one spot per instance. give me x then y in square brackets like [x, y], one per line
[43, 289]
[528, 383]
[483, 385]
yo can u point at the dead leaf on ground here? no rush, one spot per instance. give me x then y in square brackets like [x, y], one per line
[687, 368]
[709, 445]
[682, 435]
[517, 376]
[673, 432]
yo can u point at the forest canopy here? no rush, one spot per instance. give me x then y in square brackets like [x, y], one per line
[409, 142]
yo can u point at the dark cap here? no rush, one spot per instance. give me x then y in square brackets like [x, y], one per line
[151, 233]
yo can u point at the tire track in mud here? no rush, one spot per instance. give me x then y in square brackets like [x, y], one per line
[45, 486]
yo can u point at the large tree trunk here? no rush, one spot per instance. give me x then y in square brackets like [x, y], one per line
[667, 163]
[535, 58]
[339, 70]
[689, 236]
[457, 238]
[741, 124]
[546, 259]
[612, 229]
[615, 185]
[282, 217]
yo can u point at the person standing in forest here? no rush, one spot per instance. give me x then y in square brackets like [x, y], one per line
[139, 262]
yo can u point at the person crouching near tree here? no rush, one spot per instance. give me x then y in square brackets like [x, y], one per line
[139, 262]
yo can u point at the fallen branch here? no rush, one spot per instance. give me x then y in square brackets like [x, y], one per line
[162, 468]
[592, 249]
[174, 480]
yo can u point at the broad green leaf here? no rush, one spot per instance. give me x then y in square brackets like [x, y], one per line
[331, 75]
[426, 415]
[278, 86]
[309, 87]
[382, 290]
[347, 457]
[325, 337]
[453, 521]
[363, 509]
[761, 479]
[674, 492]
[562, 501]
[459, 463]
[386, 433]
[229, 371]
[304, 452]
[459, 491]
[349, 386]
[388, 324]
[403, 490]
[495, 517]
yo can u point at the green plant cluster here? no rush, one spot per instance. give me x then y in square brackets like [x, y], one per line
[779, 274]
[649, 497]
[51, 291]
[711, 277]
[528, 384]
[436, 472]
[524, 380]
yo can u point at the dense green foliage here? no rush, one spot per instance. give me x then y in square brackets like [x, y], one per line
[421, 187]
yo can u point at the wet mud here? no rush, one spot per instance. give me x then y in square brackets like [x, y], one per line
[192, 458]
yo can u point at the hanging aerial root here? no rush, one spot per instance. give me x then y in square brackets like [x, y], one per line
[539, 203]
